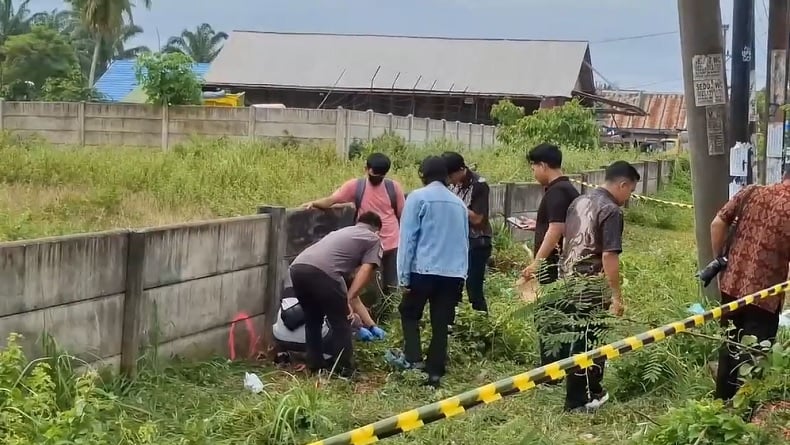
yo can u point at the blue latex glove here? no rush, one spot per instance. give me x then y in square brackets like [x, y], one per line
[378, 332]
[364, 334]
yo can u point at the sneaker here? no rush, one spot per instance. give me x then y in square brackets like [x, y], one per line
[593, 405]
[397, 360]
[433, 381]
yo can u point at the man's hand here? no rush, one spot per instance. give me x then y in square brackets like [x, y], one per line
[309, 205]
[529, 272]
[618, 307]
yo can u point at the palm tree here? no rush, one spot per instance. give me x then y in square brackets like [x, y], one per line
[114, 48]
[201, 45]
[13, 21]
[61, 20]
[105, 20]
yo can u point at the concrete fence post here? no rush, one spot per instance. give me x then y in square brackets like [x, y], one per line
[646, 174]
[2, 114]
[133, 304]
[469, 130]
[252, 116]
[458, 131]
[482, 136]
[444, 129]
[390, 123]
[585, 181]
[507, 208]
[410, 119]
[659, 175]
[370, 125]
[81, 123]
[341, 117]
[275, 271]
[427, 129]
[165, 127]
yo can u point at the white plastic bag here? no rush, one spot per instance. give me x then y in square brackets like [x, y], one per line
[252, 382]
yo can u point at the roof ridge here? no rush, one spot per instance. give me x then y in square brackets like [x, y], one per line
[434, 37]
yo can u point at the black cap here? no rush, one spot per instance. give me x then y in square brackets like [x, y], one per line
[379, 163]
[454, 161]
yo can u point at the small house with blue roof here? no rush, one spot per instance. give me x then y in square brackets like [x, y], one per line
[119, 81]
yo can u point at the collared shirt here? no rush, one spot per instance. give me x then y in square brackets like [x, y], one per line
[553, 208]
[594, 225]
[342, 251]
[475, 193]
[434, 234]
[760, 249]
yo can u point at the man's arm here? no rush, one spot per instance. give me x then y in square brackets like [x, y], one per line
[361, 279]
[557, 204]
[400, 199]
[343, 195]
[612, 246]
[721, 223]
[409, 232]
[478, 205]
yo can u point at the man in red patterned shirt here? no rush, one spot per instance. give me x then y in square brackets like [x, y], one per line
[758, 257]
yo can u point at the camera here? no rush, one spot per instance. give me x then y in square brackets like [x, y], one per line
[709, 272]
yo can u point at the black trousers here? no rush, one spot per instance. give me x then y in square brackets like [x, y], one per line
[321, 296]
[586, 309]
[547, 274]
[441, 294]
[389, 271]
[749, 320]
[476, 275]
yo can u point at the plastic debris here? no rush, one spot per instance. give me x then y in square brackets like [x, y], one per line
[784, 319]
[696, 309]
[252, 382]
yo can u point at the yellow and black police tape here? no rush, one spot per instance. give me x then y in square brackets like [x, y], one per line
[642, 197]
[453, 406]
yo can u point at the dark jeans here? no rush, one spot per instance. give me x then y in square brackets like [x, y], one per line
[389, 271]
[547, 274]
[583, 385]
[476, 275]
[442, 294]
[749, 320]
[322, 296]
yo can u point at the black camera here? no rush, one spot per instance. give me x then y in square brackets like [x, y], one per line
[709, 272]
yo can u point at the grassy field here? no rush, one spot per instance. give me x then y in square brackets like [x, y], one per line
[47, 191]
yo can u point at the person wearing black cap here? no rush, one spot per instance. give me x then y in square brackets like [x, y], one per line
[474, 192]
[378, 194]
[432, 266]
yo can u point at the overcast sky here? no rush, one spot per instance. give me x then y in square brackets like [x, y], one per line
[650, 63]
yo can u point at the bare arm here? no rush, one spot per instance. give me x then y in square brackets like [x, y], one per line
[718, 235]
[550, 241]
[323, 203]
[475, 218]
[611, 269]
[361, 279]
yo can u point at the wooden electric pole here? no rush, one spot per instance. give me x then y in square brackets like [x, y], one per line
[775, 84]
[706, 108]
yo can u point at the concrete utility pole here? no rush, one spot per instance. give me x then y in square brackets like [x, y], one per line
[775, 83]
[706, 101]
[742, 60]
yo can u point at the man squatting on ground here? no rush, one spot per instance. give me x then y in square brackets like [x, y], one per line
[593, 243]
[317, 275]
[558, 194]
[378, 194]
[433, 259]
[756, 225]
[474, 192]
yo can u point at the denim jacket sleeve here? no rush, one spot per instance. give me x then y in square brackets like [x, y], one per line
[409, 232]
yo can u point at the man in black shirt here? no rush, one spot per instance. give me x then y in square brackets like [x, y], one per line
[474, 192]
[546, 162]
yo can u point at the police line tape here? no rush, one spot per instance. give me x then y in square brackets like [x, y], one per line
[453, 406]
[642, 197]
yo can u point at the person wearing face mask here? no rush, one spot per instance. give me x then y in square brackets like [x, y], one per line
[592, 246]
[318, 280]
[374, 193]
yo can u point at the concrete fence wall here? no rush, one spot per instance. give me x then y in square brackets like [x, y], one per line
[186, 287]
[140, 125]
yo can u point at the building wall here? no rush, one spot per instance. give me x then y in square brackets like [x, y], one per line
[152, 126]
[195, 289]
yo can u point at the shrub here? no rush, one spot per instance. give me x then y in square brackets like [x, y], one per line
[570, 125]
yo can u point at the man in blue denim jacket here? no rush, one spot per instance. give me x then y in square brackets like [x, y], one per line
[433, 259]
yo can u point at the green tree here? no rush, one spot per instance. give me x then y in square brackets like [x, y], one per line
[61, 20]
[571, 125]
[104, 19]
[71, 88]
[202, 45]
[114, 48]
[13, 21]
[34, 57]
[168, 79]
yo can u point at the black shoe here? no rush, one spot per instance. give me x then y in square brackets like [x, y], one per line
[597, 401]
[433, 381]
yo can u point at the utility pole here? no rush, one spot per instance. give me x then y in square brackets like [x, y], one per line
[742, 59]
[775, 86]
[706, 101]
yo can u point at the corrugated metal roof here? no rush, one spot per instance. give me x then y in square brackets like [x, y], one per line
[665, 111]
[119, 79]
[371, 62]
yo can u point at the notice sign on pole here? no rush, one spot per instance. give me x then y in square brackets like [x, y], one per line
[708, 75]
[714, 119]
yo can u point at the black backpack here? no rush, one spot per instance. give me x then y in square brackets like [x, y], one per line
[388, 184]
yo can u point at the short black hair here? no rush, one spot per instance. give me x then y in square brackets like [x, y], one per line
[621, 170]
[455, 162]
[548, 154]
[433, 168]
[370, 218]
[379, 163]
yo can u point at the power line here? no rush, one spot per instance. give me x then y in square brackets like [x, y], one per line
[636, 37]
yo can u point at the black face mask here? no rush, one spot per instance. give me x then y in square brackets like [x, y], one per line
[375, 180]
